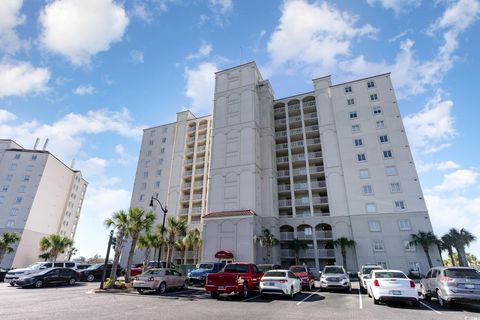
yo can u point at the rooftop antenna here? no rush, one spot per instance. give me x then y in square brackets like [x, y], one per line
[36, 144]
[72, 165]
[45, 144]
[241, 55]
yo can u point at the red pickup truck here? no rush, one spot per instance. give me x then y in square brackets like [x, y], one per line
[238, 277]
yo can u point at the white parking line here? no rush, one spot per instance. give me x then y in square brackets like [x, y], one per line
[251, 298]
[360, 302]
[299, 303]
[426, 305]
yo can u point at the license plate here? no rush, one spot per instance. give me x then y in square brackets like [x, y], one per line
[272, 284]
[396, 292]
[469, 286]
[221, 287]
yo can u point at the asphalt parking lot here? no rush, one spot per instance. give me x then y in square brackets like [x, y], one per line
[79, 302]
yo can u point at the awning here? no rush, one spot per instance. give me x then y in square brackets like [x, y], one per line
[224, 254]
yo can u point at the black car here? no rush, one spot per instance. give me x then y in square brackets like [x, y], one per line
[94, 272]
[83, 266]
[3, 272]
[49, 277]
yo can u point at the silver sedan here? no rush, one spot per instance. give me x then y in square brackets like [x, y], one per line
[160, 280]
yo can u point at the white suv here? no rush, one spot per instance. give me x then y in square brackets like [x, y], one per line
[14, 274]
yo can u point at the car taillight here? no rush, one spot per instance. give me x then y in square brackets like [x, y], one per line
[446, 279]
[376, 283]
[151, 279]
[282, 281]
[412, 284]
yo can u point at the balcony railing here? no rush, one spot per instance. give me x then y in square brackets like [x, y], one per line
[198, 184]
[326, 253]
[283, 173]
[188, 161]
[304, 236]
[307, 253]
[284, 187]
[294, 107]
[187, 173]
[320, 200]
[202, 127]
[309, 116]
[323, 235]
[303, 214]
[314, 155]
[196, 210]
[282, 146]
[316, 169]
[287, 253]
[280, 122]
[302, 202]
[200, 148]
[284, 203]
[311, 142]
[286, 235]
[295, 119]
[279, 110]
[197, 196]
[308, 104]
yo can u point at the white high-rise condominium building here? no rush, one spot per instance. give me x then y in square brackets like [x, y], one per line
[334, 162]
[39, 196]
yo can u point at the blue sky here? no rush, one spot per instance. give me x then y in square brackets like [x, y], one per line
[91, 74]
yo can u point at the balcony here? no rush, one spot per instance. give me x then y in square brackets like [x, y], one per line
[308, 104]
[202, 127]
[284, 188]
[197, 196]
[200, 160]
[196, 210]
[187, 185]
[191, 140]
[191, 128]
[288, 235]
[321, 214]
[282, 146]
[326, 253]
[280, 122]
[309, 116]
[189, 150]
[285, 215]
[185, 198]
[294, 107]
[296, 144]
[300, 172]
[294, 119]
[283, 174]
[278, 111]
[187, 173]
[319, 200]
[318, 185]
[287, 253]
[200, 149]
[188, 161]
[302, 202]
[296, 132]
[307, 253]
[183, 211]
[313, 142]
[284, 203]
[321, 235]
[282, 159]
[314, 155]
[303, 214]
[198, 184]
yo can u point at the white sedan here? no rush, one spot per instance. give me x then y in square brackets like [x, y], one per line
[282, 282]
[392, 285]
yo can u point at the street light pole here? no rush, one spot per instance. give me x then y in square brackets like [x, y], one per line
[165, 210]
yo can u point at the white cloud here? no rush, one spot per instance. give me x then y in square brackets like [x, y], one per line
[6, 116]
[94, 171]
[458, 16]
[200, 87]
[68, 134]
[432, 128]
[82, 90]
[223, 6]
[320, 33]
[20, 78]
[204, 50]
[79, 29]
[220, 10]
[438, 166]
[123, 158]
[145, 10]
[398, 6]
[10, 18]
[136, 56]
[458, 180]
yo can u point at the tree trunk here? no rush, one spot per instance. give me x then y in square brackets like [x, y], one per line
[297, 260]
[344, 257]
[268, 254]
[462, 257]
[118, 253]
[428, 257]
[452, 257]
[2, 254]
[130, 257]
[167, 257]
[146, 257]
[185, 256]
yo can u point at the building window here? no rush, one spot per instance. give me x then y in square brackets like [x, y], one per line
[358, 142]
[10, 223]
[160, 161]
[13, 167]
[371, 207]
[18, 200]
[378, 245]
[149, 153]
[34, 157]
[10, 177]
[165, 129]
[162, 150]
[150, 143]
[13, 212]
[404, 225]
[395, 187]
[141, 198]
[353, 115]
[159, 172]
[30, 167]
[17, 156]
[356, 128]
[145, 174]
[157, 184]
[400, 205]
[164, 140]
[374, 226]
[5, 188]
[383, 264]
[409, 245]
[380, 124]
[377, 111]
[367, 189]
[152, 133]
[143, 186]
[361, 157]
[2, 199]
[373, 97]
[147, 163]
[26, 178]
[383, 139]
[364, 173]
[391, 171]
[350, 101]
[370, 84]
[348, 89]
[387, 154]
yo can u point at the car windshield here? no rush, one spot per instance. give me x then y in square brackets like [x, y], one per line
[367, 270]
[275, 274]
[95, 266]
[298, 269]
[36, 265]
[208, 266]
[333, 270]
[236, 268]
[462, 273]
[154, 272]
[390, 274]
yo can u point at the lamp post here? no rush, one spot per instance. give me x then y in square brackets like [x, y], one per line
[165, 210]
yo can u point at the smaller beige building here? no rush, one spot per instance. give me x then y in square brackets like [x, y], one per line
[39, 196]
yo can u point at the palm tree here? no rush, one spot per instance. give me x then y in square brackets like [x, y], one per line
[45, 256]
[344, 243]
[175, 227]
[447, 244]
[138, 221]
[297, 245]
[71, 251]
[266, 240]
[425, 239]
[461, 239]
[190, 242]
[196, 250]
[148, 241]
[119, 222]
[7, 240]
[55, 244]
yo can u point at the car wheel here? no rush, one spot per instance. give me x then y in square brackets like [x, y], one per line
[424, 293]
[310, 287]
[90, 277]
[214, 294]
[162, 288]
[292, 293]
[244, 292]
[443, 303]
[369, 295]
[348, 290]
[141, 291]
[185, 285]
[72, 281]
[12, 284]
[38, 284]
[416, 304]
[375, 301]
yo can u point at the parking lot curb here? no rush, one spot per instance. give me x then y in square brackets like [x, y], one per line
[111, 290]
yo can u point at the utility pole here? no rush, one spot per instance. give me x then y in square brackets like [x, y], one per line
[111, 240]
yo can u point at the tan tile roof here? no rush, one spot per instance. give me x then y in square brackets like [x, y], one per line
[235, 213]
